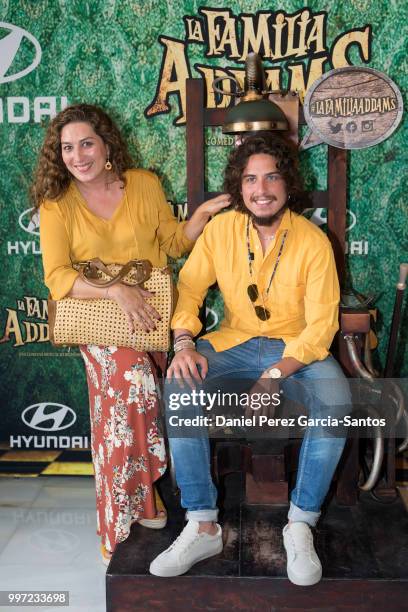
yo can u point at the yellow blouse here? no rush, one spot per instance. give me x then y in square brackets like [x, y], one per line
[142, 227]
[303, 298]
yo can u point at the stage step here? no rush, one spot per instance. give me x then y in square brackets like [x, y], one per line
[363, 549]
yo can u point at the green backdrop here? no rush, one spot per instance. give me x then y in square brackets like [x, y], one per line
[108, 52]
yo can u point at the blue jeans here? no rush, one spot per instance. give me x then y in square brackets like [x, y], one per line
[323, 390]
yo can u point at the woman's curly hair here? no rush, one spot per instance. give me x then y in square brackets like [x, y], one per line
[286, 155]
[52, 177]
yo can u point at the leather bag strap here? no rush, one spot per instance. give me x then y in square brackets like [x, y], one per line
[88, 271]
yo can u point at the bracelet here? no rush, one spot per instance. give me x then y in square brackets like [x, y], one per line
[182, 348]
[183, 336]
[183, 344]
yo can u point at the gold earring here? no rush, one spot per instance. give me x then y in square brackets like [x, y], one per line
[108, 165]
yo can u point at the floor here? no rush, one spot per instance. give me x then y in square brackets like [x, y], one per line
[48, 540]
[48, 535]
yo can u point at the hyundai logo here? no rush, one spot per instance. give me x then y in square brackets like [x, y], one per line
[10, 46]
[30, 223]
[48, 416]
[211, 319]
[55, 541]
[319, 217]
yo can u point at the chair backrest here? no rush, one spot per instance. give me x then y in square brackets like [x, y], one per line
[333, 199]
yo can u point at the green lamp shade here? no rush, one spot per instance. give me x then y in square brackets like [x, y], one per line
[254, 116]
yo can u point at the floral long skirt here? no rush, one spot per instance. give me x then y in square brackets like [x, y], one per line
[127, 451]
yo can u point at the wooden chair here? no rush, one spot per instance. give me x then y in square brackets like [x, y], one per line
[266, 471]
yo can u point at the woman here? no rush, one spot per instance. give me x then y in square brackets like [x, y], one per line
[93, 204]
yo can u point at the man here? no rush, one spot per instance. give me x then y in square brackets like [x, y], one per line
[277, 275]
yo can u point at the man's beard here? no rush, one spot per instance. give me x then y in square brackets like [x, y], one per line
[266, 221]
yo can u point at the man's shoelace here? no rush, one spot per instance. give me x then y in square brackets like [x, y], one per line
[303, 545]
[185, 539]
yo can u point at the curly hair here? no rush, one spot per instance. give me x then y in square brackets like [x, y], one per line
[286, 155]
[52, 177]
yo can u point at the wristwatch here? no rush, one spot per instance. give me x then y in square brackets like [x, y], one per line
[274, 373]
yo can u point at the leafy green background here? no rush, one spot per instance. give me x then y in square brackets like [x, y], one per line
[107, 52]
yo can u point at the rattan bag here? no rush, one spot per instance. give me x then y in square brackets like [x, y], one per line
[99, 321]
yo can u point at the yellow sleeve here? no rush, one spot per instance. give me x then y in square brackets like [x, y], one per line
[321, 310]
[59, 276]
[170, 233]
[196, 276]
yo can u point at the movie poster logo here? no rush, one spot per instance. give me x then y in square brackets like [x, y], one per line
[27, 323]
[294, 48]
[353, 108]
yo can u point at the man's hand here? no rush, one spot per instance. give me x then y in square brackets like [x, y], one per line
[264, 385]
[185, 366]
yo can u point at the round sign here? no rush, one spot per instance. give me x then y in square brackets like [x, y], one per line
[353, 107]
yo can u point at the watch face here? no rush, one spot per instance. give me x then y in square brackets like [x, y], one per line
[275, 373]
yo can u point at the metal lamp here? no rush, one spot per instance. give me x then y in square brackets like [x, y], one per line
[254, 112]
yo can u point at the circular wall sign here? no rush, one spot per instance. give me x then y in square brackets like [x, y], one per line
[353, 107]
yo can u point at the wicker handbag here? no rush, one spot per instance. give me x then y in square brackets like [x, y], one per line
[100, 321]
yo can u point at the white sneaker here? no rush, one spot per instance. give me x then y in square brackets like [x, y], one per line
[303, 564]
[189, 548]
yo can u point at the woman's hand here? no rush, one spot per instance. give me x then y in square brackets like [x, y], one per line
[202, 214]
[213, 206]
[133, 302]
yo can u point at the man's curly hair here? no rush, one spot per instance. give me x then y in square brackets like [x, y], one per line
[52, 177]
[286, 154]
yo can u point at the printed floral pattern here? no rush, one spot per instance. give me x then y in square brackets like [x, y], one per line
[127, 450]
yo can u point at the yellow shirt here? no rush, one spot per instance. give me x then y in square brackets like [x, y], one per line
[303, 298]
[142, 227]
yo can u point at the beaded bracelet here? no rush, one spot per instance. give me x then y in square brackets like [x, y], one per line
[182, 336]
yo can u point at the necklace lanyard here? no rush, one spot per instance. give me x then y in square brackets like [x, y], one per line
[277, 259]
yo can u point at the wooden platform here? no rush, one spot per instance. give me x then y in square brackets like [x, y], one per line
[363, 549]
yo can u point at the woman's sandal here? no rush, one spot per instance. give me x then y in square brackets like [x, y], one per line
[106, 555]
[161, 518]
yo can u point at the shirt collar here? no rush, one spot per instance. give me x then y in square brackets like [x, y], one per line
[286, 223]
